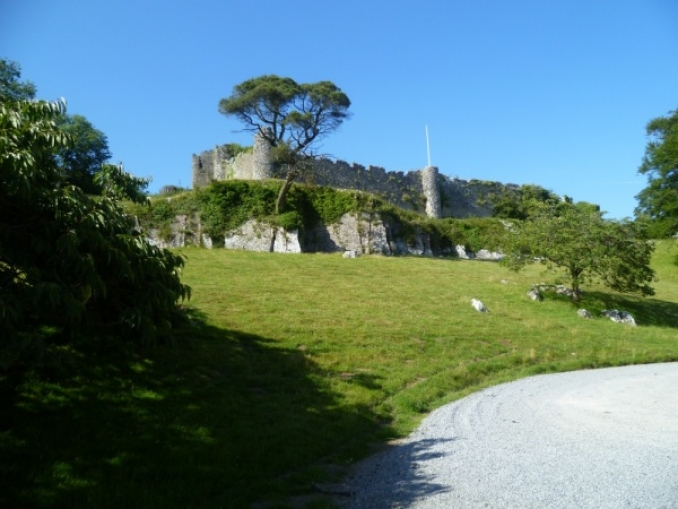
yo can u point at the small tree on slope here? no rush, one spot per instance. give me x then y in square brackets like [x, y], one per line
[575, 240]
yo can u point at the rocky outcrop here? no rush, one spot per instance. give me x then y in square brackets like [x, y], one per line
[360, 233]
[363, 233]
[256, 236]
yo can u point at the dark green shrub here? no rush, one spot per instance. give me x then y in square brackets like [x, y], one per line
[72, 263]
[226, 205]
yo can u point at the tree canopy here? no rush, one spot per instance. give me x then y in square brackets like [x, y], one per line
[659, 200]
[521, 203]
[575, 241]
[291, 116]
[71, 265]
[87, 151]
[11, 89]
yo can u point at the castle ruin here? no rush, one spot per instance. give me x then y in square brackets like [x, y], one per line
[424, 190]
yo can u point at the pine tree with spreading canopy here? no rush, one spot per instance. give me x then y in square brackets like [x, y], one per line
[290, 116]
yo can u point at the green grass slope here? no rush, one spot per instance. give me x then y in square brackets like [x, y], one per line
[298, 366]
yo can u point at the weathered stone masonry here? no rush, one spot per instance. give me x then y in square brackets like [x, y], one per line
[423, 190]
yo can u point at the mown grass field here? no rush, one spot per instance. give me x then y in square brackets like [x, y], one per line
[294, 367]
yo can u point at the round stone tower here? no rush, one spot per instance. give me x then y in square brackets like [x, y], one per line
[262, 164]
[429, 182]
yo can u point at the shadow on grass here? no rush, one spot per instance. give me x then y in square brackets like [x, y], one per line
[220, 419]
[646, 311]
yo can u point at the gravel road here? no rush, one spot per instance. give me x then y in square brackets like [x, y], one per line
[605, 438]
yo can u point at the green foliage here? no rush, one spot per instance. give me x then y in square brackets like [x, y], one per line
[578, 243]
[233, 149]
[290, 116]
[521, 203]
[445, 234]
[329, 204]
[82, 158]
[659, 200]
[284, 111]
[11, 89]
[87, 150]
[290, 220]
[68, 262]
[260, 102]
[656, 228]
[225, 205]
[118, 185]
[161, 211]
[474, 233]
[171, 190]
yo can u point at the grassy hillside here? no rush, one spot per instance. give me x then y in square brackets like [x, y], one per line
[295, 367]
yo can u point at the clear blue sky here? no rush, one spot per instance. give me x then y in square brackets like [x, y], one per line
[548, 92]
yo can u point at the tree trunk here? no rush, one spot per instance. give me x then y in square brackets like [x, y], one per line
[575, 276]
[282, 195]
[576, 295]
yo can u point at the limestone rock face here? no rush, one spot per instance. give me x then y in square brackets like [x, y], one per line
[363, 233]
[419, 246]
[257, 236]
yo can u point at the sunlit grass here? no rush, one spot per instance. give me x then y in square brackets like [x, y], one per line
[298, 366]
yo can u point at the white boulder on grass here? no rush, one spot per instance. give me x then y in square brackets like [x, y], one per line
[350, 253]
[479, 306]
[483, 254]
[619, 316]
[535, 294]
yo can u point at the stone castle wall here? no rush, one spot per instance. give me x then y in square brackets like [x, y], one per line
[425, 191]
